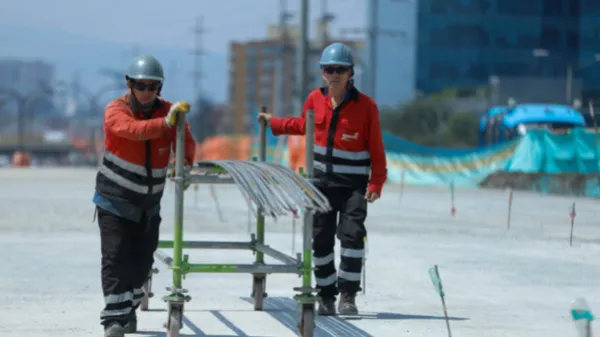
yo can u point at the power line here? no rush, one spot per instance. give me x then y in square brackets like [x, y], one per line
[286, 49]
[373, 32]
[302, 57]
[326, 18]
[173, 76]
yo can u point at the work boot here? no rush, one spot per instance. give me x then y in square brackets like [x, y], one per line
[326, 307]
[347, 305]
[131, 325]
[114, 329]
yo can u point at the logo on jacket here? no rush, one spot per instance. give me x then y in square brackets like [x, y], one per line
[348, 137]
[163, 150]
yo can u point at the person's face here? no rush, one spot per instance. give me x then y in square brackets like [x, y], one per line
[145, 90]
[336, 76]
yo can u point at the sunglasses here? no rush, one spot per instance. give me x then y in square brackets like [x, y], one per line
[336, 70]
[146, 86]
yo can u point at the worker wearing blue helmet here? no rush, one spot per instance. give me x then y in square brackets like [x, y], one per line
[349, 169]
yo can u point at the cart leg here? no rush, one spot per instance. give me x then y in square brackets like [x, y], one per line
[306, 297]
[179, 265]
[259, 281]
[307, 320]
[175, 320]
[258, 290]
[147, 288]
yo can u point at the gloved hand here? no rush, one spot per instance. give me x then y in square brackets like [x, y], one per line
[176, 109]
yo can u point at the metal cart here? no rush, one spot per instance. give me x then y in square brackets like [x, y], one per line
[211, 173]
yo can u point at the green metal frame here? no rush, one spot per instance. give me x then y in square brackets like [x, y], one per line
[179, 262]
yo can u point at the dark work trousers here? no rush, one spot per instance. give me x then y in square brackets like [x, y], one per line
[127, 258]
[351, 207]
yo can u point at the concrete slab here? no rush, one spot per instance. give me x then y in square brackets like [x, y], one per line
[498, 282]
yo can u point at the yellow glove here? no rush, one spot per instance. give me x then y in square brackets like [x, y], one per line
[176, 109]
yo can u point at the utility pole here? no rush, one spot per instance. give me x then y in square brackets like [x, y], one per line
[303, 54]
[373, 32]
[286, 48]
[326, 18]
[172, 73]
[197, 52]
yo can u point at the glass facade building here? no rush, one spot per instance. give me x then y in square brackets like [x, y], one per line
[463, 43]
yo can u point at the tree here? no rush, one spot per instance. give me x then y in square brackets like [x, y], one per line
[430, 121]
[462, 129]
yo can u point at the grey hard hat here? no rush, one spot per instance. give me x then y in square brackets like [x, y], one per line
[145, 67]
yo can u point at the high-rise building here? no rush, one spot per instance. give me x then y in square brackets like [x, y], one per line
[263, 72]
[463, 44]
[589, 48]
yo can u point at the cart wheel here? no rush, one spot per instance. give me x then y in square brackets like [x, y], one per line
[147, 288]
[175, 321]
[258, 292]
[307, 320]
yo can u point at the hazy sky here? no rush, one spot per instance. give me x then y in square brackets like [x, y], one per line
[161, 22]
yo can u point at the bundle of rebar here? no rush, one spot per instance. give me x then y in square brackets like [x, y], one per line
[274, 189]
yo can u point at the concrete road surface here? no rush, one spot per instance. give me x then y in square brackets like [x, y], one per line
[498, 282]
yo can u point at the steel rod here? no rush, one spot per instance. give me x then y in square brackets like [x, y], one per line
[179, 190]
[243, 268]
[262, 157]
[163, 257]
[208, 245]
[308, 213]
[205, 179]
[277, 255]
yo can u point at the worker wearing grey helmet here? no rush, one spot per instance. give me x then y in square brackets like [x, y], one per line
[140, 134]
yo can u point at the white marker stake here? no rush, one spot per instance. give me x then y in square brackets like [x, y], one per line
[294, 217]
[572, 216]
[249, 220]
[213, 194]
[364, 266]
[434, 275]
[582, 317]
[402, 183]
[510, 201]
[452, 207]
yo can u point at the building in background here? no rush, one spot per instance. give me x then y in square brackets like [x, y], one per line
[589, 48]
[394, 24]
[472, 44]
[26, 89]
[25, 77]
[263, 72]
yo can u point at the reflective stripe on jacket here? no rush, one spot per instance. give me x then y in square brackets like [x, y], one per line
[137, 152]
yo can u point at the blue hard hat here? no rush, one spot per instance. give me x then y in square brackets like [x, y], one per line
[337, 54]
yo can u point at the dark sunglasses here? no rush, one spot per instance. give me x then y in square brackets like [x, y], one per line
[336, 70]
[146, 86]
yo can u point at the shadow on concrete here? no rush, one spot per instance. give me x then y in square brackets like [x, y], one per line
[197, 332]
[286, 311]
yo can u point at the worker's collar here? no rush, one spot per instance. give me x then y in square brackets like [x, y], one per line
[136, 106]
[351, 93]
